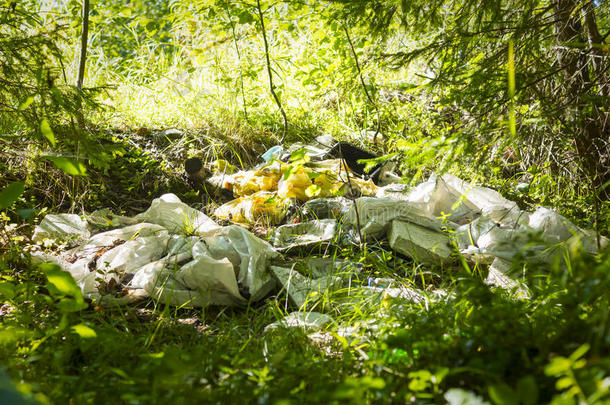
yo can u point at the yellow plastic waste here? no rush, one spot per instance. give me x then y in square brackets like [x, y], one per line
[264, 208]
[264, 194]
[326, 183]
[250, 182]
[367, 187]
[316, 180]
[295, 185]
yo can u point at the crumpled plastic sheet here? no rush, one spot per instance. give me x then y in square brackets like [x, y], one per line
[499, 276]
[304, 234]
[421, 243]
[172, 253]
[264, 208]
[302, 290]
[301, 320]
[540, 236]
[176, 216]
[483, 226]
[264, 194]
[375, 215]
[326, 208]
[440, 198]
[177, 254]
[70, 228]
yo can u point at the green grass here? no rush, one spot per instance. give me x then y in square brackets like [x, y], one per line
[380, 350]
[483, 341]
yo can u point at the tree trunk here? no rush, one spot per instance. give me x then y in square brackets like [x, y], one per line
[582, 83]
[83, 45]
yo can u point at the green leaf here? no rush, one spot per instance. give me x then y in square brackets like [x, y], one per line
[578, 353]
[68, 166]
[84, 331]
[512, 120]
[47, 132]
[313, 191]
[71, 305]
[245, 17]
[440, 375]
[564, 383]
[289, 171]
[502, 394]
[28, 101]
[375, 383]
[557, 366]
[62, 281]
[418, 385]
[11, 193]
[7, 291]
[563, 399]
[511, 69]
[423, 375]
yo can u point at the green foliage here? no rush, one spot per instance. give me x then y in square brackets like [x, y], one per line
[68, 166]
[121, 29]
[542, 107]
[34, 92]
[480, 79]
[63, 288]
[10, 194]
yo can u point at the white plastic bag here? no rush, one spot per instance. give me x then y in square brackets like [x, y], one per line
[422, 244]
[441, 199]
[169, 265]
[177, 217]
[480, 197]
[247, 253]
[69, 228]
[374, 216]
[304, 233]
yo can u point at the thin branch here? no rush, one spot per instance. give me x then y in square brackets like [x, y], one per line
[368, 96]
[83, 46]
[269, 72]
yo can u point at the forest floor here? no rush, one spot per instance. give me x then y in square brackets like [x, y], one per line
[472, 344]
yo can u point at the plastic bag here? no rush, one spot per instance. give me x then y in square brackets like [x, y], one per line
[481, 197]
[441, 199]
[498, 276]
[304, 233]
[374, 216]
[301, 289]
[253, 181]
[326, 208]
[249, 255]
[148, 260]
[303, 320]
[177, 217]
[296, 185]
[554, 227]
[260, 208]
[68, 228]
[422, 244]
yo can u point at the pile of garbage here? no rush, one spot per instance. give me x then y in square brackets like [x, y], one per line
[180, 256]
[265, 193]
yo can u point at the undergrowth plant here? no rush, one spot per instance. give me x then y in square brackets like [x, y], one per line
[482, 341]
[204, 66]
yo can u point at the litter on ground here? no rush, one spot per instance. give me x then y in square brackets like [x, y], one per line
[178, 255]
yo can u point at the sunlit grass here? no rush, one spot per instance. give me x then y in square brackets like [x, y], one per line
[201, 86]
